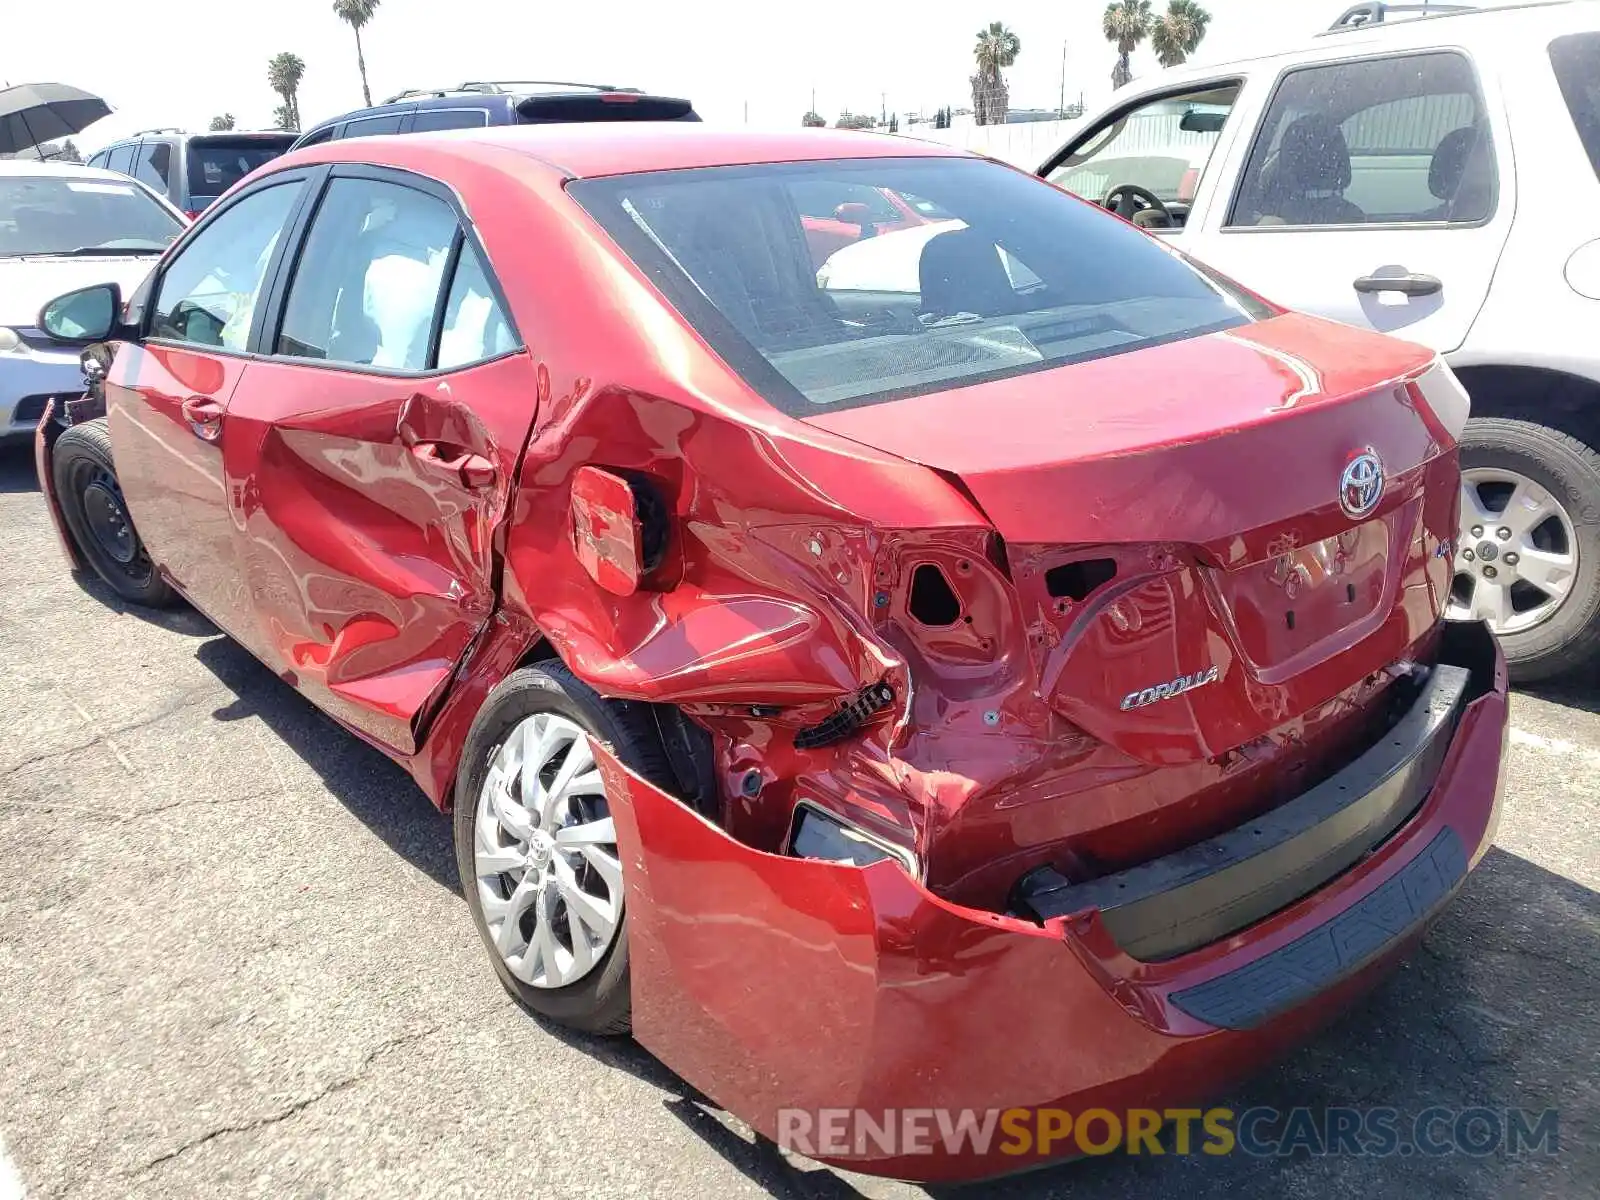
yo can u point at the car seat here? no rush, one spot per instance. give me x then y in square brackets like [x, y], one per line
[1461, 176]
[1306, 182]
[961, 271]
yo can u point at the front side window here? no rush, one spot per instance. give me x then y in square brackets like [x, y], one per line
[1398, 140]
[369, 276]
[208, 295]
[1019, 277]
[52, 214]
[1163, 147]
[121, 159]
[1576, 59]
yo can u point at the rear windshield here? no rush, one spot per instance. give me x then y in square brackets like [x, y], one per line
[1576, 60]
[215, 166]
[929, 274]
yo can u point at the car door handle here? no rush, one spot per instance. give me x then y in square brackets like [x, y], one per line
[1410, 284]
[472, 471]
[204, 416]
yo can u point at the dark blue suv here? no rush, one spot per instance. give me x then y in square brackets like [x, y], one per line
[474, 105]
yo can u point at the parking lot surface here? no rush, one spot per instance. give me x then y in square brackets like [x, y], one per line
[234, 962]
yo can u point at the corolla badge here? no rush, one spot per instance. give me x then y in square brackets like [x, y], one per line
[1173, 687]
[1361, 485]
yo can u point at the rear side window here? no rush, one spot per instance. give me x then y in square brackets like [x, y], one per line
[429, 120]
[122, 158]
[373, 126]
[1397, 140]
[1576, 59]
[1017, 277]
[369, 278]
[475, 326]
[208, 295]
[215, 166]
[153, 165]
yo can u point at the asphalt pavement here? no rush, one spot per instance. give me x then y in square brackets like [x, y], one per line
[234, 961]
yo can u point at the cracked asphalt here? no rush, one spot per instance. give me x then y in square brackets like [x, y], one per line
[234, 962]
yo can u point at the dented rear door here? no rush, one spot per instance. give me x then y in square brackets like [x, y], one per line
[367, 470]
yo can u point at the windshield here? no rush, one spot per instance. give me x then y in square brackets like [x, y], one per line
[215, 166]
[1015, 276]
[62, 215]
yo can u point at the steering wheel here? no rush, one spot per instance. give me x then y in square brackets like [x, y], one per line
[1128, 200]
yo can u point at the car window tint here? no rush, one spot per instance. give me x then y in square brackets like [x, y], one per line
[821, 200]
[1019, 278]
[368, 280]
[153, 164]
[1163, 146]
[99, 160]
[1380, 141]
[1576, 59]
[122, 158]
[430, 119]
[208, 295]
[373, 126]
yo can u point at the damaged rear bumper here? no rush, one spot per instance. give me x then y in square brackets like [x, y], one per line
[775, 983]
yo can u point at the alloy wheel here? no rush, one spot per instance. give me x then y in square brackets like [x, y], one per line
[1516, 552]
[548, 874]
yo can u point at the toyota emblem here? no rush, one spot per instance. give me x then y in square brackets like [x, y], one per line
[1361, 485]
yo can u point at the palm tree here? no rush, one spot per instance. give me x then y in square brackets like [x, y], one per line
[224, 122]
[284, 72]
[1176, 35]
[997, 48]
[1126, 23]
[356, 13]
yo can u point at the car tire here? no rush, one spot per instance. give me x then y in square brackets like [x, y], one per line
[1566, 641]
[92, 505]
[531, 701]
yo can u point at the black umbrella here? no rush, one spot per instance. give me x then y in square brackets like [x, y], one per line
[36, 113]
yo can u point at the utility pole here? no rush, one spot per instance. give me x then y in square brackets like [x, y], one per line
[883, 108]
[1062, 111]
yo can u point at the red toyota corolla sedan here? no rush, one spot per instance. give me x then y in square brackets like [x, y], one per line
[1021, 683]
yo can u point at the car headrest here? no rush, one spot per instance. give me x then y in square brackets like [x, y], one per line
[960, 271]
[1450, 158]
[1313, 157]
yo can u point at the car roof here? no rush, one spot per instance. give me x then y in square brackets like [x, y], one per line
[592, 150]
[1445, 28]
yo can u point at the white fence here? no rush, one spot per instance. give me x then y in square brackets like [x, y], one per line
[1025, 144]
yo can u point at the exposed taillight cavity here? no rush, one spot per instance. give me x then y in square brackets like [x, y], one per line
[1076, 580]
[932, 601]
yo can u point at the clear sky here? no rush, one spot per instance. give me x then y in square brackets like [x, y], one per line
[179, 64]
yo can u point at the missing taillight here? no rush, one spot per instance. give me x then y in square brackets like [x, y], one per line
[933, 601]
[855, 713]
[1074, 581]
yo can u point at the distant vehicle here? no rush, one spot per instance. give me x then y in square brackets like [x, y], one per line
[191, 169]
[63, 226]
[475, 105]
[1437, 178]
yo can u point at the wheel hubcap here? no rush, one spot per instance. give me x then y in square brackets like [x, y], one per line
[548, 875]
[1517, 552]
[108, 521]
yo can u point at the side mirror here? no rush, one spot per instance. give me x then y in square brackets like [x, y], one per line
[84, 316]
[855, 213]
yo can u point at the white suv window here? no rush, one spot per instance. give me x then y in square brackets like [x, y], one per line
[1162, 146]
[1381, 141]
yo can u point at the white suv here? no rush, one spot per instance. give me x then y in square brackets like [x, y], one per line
[1437, 178]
